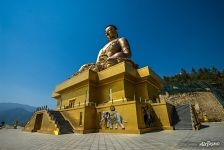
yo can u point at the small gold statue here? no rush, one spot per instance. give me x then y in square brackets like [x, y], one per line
[115, 51]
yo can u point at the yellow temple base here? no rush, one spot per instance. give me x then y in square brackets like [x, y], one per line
[84, 99]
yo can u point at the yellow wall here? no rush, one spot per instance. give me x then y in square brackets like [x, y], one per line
[141, 123]
[77, 94]
[30, 124]
[92, 93]
[152, 91]
[117, 87]
[124, 80]
[170, 111]
[128, 112]
[162, 116]
[90, 120]
[129, 87]
[48, 125]
[73, 116]
[141, 91]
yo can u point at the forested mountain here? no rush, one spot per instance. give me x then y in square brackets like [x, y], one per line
[210, 75]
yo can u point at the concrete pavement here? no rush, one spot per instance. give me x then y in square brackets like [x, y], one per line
[210, 137]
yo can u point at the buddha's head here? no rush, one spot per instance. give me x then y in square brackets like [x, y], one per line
[111, 32]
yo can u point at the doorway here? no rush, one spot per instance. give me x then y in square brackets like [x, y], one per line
[38, 122]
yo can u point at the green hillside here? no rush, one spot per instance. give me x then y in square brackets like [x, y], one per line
[203, 79]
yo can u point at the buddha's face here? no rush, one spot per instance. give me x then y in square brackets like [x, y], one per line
[111, 33]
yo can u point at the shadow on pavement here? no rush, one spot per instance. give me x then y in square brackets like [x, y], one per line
[204, 126]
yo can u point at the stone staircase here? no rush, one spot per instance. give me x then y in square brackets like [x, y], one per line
[219, 96]
[62, 124]
[182, 117]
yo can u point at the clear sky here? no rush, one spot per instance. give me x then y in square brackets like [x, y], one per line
[43, 42]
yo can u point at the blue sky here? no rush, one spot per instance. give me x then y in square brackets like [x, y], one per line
[43, 42]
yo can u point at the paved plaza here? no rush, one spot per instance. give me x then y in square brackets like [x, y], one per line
[210, 137]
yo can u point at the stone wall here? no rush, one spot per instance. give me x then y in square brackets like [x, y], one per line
[205, 103]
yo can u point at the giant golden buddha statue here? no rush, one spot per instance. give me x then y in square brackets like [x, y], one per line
[114, 52]
[111, 95]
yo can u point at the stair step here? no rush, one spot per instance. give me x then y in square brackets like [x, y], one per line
[182, 117]
[63, 125]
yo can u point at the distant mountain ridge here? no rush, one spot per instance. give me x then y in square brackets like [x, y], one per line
[12, 112]
[7, 106]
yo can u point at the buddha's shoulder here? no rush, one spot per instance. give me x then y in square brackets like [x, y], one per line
[122, 39]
